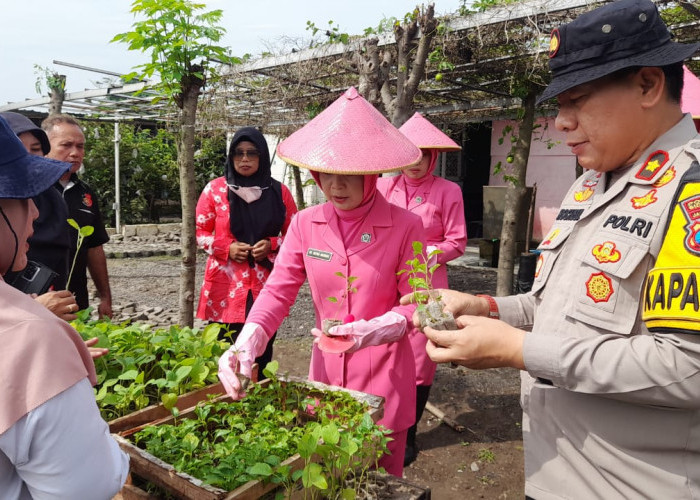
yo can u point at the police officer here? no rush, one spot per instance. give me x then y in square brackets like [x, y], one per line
[68, 144]
[611, 366]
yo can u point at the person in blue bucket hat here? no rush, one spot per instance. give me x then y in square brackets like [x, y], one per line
[53, 441]
[608, 340]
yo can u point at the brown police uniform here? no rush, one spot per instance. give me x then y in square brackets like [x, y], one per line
[611, 403]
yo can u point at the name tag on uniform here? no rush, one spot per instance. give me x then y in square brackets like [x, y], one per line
[319, 254]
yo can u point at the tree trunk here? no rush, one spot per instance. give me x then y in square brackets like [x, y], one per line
[185, 160]
[374, 64]
[514, 194]
[57, 92]
[298, 187]
[410, 61]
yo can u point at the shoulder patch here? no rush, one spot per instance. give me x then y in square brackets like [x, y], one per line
[671, 296]
[652, 166]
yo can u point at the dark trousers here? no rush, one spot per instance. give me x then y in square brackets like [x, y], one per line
[422, 393]
[230, 332]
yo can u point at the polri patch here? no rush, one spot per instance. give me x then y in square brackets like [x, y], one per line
[319, 254]
[639, 226]
[651, 167]
[87, 200]
[599, 287]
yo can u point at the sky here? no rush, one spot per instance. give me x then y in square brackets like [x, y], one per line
[39, 32]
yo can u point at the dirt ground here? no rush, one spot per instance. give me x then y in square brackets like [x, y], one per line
[485, 460]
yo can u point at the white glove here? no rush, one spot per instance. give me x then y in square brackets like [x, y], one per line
[239, 359]
[389, 327]
[433, 259]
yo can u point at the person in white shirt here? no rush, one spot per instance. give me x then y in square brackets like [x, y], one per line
[53, 442]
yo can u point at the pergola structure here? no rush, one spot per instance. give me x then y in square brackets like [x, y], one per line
[492, 53]
[490, 50]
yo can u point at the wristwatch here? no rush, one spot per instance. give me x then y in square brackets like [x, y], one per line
[493, 307]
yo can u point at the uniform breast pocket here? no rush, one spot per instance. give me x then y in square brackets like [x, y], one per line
[608, 285]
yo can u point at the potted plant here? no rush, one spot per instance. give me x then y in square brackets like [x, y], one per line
[430, 305]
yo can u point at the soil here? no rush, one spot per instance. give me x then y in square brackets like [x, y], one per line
[485, 460]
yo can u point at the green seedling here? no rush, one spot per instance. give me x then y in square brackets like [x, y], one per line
[83, 232]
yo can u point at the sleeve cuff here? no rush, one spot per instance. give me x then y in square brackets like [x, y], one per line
[541, 354]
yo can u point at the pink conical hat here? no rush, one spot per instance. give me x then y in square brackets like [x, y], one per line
[425, 135]
[349, 137]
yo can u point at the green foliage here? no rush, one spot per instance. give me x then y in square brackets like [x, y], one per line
[83, 232]
[420, 275]
[510, 134]
[332, 33]
[229, 444]
[347, 290]
[471, 6]
[147, 366]
[52, 80]
[149, 180]
[181, 41]
[486, 456]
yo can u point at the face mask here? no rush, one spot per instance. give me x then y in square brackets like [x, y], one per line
[247, 194]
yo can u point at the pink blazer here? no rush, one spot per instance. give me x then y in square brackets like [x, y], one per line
[314, 250]
[440, 205]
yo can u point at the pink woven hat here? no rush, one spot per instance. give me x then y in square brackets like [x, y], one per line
[349, 137]
[425, 135]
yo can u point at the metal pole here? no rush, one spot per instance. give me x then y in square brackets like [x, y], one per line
[117, 200]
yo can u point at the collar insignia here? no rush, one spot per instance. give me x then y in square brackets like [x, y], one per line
[643, 201]
[667, 177]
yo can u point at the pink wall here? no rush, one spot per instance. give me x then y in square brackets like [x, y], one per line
[553, 170]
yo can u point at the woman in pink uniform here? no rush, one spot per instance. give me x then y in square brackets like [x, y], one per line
[359, 234]
[440, 205]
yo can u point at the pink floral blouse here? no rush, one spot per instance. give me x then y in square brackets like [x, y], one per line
[226, 283]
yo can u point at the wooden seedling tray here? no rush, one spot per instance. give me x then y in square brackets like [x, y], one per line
[184, 486]
[157, 412]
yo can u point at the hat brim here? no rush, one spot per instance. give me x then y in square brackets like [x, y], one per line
[662, 56]
[347, 170]
[442, 149]
[30, 175]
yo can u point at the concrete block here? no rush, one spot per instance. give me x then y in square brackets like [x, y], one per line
[147, 230]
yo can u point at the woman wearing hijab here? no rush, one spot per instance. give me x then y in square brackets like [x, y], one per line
[53, 441]
[356, 233]
[440, 205]
[240, 218]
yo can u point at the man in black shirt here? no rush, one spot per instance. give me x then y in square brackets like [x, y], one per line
[68, 144]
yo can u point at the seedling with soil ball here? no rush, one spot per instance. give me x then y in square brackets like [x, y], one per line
[430, 304]
[338, 343]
